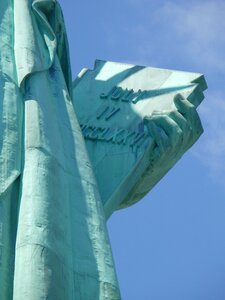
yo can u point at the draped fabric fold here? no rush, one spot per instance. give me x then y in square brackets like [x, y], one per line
[11, 113]
[54, 242]
[39, 38]
[11, 103]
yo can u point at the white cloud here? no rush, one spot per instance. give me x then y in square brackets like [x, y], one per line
[198, 29]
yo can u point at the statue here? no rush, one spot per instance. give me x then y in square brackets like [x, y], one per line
[67, 164]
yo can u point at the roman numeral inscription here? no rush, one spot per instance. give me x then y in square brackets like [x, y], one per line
[114, 135]
[117, 93]
[107, 112]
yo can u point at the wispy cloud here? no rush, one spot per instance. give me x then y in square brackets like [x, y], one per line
[191, 32]
[197, 29]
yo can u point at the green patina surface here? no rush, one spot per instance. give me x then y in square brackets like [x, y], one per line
[72, 154]
[115, 104]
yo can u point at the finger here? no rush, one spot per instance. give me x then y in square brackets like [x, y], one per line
[182, 104]
[171, 128]
[190, 114]
[176, 116]
[160, 138]
[185, 127]
[179, 119]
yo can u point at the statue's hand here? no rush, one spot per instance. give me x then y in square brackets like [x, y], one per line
[173, 132]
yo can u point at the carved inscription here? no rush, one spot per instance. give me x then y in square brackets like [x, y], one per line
[114, 135]
[98, 132]
[107, 112]
[117, 93]
[130, 96]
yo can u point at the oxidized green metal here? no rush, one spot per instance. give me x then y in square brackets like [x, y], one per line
[118, 107]
[61, 174]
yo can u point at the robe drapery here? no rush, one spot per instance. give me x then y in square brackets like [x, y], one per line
[53, 237]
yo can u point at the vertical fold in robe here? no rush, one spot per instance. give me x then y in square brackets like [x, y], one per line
[62, 246]
[11, 104]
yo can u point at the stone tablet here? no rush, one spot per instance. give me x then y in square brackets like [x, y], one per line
[111, 103]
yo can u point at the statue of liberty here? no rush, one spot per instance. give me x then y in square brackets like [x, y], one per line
[53, 208]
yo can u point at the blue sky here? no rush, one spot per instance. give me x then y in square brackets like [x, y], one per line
[171, 245]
